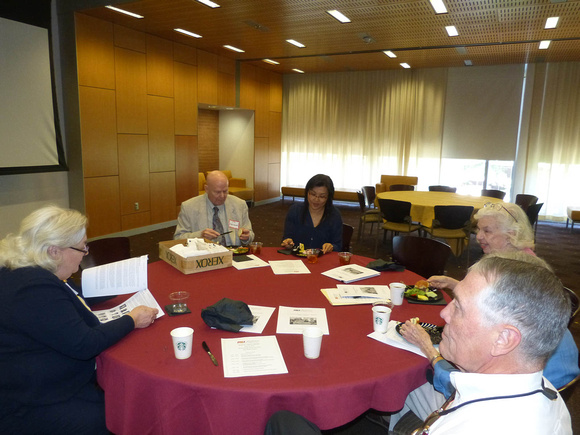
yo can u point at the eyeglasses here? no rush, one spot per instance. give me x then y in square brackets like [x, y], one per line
[314, 195]
[498, 206]
[84, 251]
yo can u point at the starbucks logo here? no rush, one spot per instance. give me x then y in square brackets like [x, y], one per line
[378, 321]
[181, 345]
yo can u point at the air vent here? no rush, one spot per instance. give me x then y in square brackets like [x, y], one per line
[256, 26]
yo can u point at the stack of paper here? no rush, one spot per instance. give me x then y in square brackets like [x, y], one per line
[356, 294]
[351, 273]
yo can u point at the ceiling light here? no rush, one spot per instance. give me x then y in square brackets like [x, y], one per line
[467, 62]
[438, 6]
[339, 16]
[390, 54]
[131, 14]
[296, 43]
[188, 33]
[544, 44]
[551, 23]
[231, 47]
[405, 65]
[461, 50]
[298, 70]
[209, 3]
[451, 31]
[273, 62]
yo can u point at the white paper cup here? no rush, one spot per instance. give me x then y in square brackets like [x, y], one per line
[381, 317]
[182, 342]
[397, 292]
[312, 336]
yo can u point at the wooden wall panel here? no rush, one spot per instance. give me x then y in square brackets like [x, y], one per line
[159, 66]
[207, 83]
[208, 140]
[184, 54]
[226, 65]
[186, 167]
[273, 180]
[185, 98]
[247, 86]
[102, 205]
[161, 122]
[261, 169]
[98, 131]
[276, 84]
[262, 118]
[95, 52]
[226, 90]
[131, 82]
[162, 197]
[133, 173]
[137, 220]
[130, 39]
[275, 137]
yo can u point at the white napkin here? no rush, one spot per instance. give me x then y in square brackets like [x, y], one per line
[393, 338]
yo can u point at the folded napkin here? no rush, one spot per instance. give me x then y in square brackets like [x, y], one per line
[382, 266]
[393, 338]
[227, 314]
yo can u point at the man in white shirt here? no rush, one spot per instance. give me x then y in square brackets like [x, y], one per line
[506, 318]
[216, 215]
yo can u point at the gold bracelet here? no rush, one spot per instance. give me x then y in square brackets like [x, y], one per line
[435, 359]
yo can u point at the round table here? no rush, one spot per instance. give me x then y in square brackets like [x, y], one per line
[147, 390]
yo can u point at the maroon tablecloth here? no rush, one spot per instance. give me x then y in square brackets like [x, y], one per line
[147, 390]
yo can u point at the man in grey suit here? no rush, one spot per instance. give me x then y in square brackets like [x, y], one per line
[211, 215]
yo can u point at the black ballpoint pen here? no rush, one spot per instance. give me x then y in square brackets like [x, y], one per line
[206, 348]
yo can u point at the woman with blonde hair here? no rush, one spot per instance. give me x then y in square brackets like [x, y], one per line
[48, 337]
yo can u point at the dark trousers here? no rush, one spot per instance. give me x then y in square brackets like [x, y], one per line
[289, 423]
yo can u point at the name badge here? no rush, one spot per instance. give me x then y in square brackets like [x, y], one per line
[234, 224]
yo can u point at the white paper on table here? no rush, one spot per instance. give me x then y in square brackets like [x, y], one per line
[350, 273]
[333, 296]
[364, 291]
[292, 320]
[252, 356]
[118, 278]
[254, 262]
[393, 338]
[261, 317]
[144, 297]
[288, 267]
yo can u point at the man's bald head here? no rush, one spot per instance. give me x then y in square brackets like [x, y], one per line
[216, 187]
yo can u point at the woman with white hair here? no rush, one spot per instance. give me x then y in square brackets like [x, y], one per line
[48, 336]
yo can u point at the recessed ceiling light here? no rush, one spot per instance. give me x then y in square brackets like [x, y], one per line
[298, 70]
[405, 65]
[544, 44]
[461, 50]
[296, 43]
[467, 62]
[231, 47]
[122, 11]
[551, 23]
[273, 62]
[390, 53]
[438, 6]
[188, 33]
[339, 16]
[451, 31]
[209, 3]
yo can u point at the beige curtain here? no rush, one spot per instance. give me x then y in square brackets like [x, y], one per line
[553, 161]
[356, 126]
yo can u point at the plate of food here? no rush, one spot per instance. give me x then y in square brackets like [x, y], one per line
[422, 292]
[239, 250]
[434, 331]
[300, 251]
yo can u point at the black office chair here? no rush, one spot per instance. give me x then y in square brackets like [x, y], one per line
[370, 194]
[396, 216]
[397, 187]
[493, 193]
[347, 231]
[368, 216]
[452, 222]
[425, 257]
[525, 201]
[532, 212]
[439, 188]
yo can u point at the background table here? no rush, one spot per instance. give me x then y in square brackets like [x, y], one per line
[423, 203]
[147, 390]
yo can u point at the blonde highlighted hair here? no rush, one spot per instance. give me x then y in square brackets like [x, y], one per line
[512, 221]
[41, 229]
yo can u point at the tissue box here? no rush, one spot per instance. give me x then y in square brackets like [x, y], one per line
[196, 264]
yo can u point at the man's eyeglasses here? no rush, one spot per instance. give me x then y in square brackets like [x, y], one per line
[84, 251]
[498, 206]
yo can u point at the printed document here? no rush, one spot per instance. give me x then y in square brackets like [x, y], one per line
[288, 267]
[252, 356]
[261, 317]
[118, 278]
[144, 297]
[292, 320]
[350, 273]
